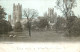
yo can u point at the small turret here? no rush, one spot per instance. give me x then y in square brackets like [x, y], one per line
[9, 18]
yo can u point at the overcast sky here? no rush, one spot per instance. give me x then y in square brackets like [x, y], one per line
[40, 5]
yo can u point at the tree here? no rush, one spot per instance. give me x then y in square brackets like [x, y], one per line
[75, 29]
[71, 23]
[65, 6]
[5, 26]
[30, 14]
[2, 13]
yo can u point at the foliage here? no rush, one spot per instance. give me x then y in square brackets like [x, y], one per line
[2, 13]
[66, 6]
[75, 29]
[60, 24]
[71, 25]
[43, 23]
[18, 27]
[36, 25]
[5, 27]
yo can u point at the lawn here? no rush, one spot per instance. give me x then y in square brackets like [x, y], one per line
[38, 36]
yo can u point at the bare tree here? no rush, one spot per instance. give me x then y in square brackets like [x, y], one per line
[65, 6]
[30, 14]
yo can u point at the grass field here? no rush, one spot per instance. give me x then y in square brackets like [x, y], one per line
[39, 36]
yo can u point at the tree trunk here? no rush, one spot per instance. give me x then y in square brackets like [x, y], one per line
[29, 23]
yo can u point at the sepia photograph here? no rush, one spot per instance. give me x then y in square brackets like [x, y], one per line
[27, 23]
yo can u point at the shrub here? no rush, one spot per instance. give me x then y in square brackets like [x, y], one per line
[75, 29]
[5, 27]
[70, 24]
[60, 24]
[43, 23]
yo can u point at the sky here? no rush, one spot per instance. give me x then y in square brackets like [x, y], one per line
[40, 5]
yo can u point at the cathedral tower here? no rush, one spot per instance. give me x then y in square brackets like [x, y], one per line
[50, 12]
[17, 12]
[52, 15]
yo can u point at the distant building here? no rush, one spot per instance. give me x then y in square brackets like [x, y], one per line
[9, 18]
[17, 13]
[52, 15]
[50, 12]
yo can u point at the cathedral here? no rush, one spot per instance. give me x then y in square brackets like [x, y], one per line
[17, 15]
